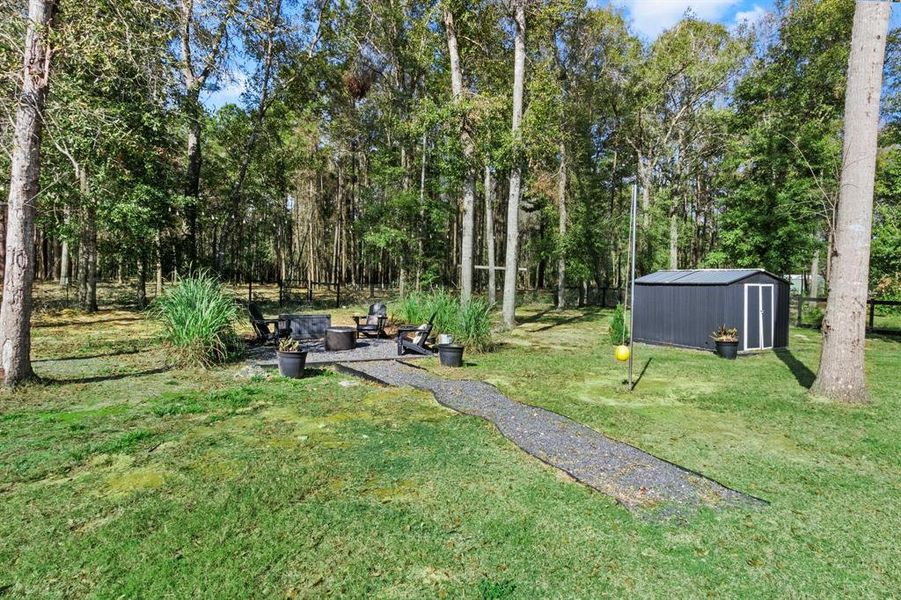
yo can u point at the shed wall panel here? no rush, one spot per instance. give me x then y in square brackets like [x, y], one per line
[685, 315]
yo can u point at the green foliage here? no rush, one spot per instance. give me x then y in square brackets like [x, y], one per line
[198, 320]
[812, 315]
[619, 330]
[469, 323]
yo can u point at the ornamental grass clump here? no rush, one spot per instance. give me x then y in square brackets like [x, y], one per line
[198, 321]
[475, 325]
[469, 323]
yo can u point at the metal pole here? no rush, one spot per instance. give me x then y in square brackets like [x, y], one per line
[632, 235]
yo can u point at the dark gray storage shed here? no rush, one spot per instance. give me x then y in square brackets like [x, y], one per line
[682, 308]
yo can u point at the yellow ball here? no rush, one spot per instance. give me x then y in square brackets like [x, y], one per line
[621, 353]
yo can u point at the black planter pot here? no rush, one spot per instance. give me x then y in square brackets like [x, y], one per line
[291, 364]
[450, 355]
[727, 349]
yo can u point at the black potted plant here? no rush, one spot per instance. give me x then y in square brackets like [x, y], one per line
[291, 358]
[726, 339]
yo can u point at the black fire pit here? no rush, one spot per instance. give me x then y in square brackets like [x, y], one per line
[340, 338]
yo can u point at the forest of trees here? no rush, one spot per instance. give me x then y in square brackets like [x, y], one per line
[373, 143]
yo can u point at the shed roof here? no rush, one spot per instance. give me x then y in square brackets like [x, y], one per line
[700, 276]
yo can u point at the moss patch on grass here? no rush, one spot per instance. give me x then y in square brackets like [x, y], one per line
[184, 482]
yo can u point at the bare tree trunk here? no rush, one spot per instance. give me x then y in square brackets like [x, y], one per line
[87, 246]
[561, 201]
[673, 239]
[192, 181]
[141, 284]
[24, 186]
[511, 263]
[420, 233]
[841, 373]
[489, 236]
[814, 273]
[644, 176]
[64, 263]
[469, 180]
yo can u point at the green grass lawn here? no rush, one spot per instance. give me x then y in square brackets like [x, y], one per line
[121, 477]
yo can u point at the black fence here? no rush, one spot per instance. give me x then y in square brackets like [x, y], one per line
[806, 302]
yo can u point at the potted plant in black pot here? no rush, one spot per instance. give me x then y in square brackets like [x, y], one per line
[291, 358]
[450, 355]
[726, 339]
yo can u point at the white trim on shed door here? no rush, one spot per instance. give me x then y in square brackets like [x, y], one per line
[761, 338]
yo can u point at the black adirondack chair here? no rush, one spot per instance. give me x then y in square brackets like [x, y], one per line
[413, 338]
[261, 325]
[373, 324]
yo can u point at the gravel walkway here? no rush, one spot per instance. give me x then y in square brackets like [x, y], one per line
[367, 349]
[633, 477]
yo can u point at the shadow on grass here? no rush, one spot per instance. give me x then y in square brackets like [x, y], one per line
[569, 321]
[87, 356]
[641, 373]
[536, 317]
[99, 378]
[801, 372]
[56, 325]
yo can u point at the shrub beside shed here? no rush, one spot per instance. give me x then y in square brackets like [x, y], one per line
[682, 308]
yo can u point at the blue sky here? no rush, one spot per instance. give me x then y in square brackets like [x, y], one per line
[648, 18]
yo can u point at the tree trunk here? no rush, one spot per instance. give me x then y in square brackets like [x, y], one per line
[511, 262]
[421, 227]
[469, 180]
[645, 253]
[141, 284]
[673, 239]
[192, 181]
[841, 373]
[64, 264]
[814, 273]
[489, 236]
[24, 186]
[561, 201]
[87, 246]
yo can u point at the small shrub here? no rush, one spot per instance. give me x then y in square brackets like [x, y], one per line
[619, 331]
[198, 321]
[812, 315]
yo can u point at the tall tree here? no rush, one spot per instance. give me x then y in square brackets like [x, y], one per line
[841, 373]
[469, 180]
[511, 263]
[15, 311]
[203, 33]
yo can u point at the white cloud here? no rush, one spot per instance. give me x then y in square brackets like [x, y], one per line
[650, 17]
[750, 16]
[230, 89]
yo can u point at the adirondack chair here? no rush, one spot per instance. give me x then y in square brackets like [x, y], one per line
[413, 337]
[261, 325]
[373, 324]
